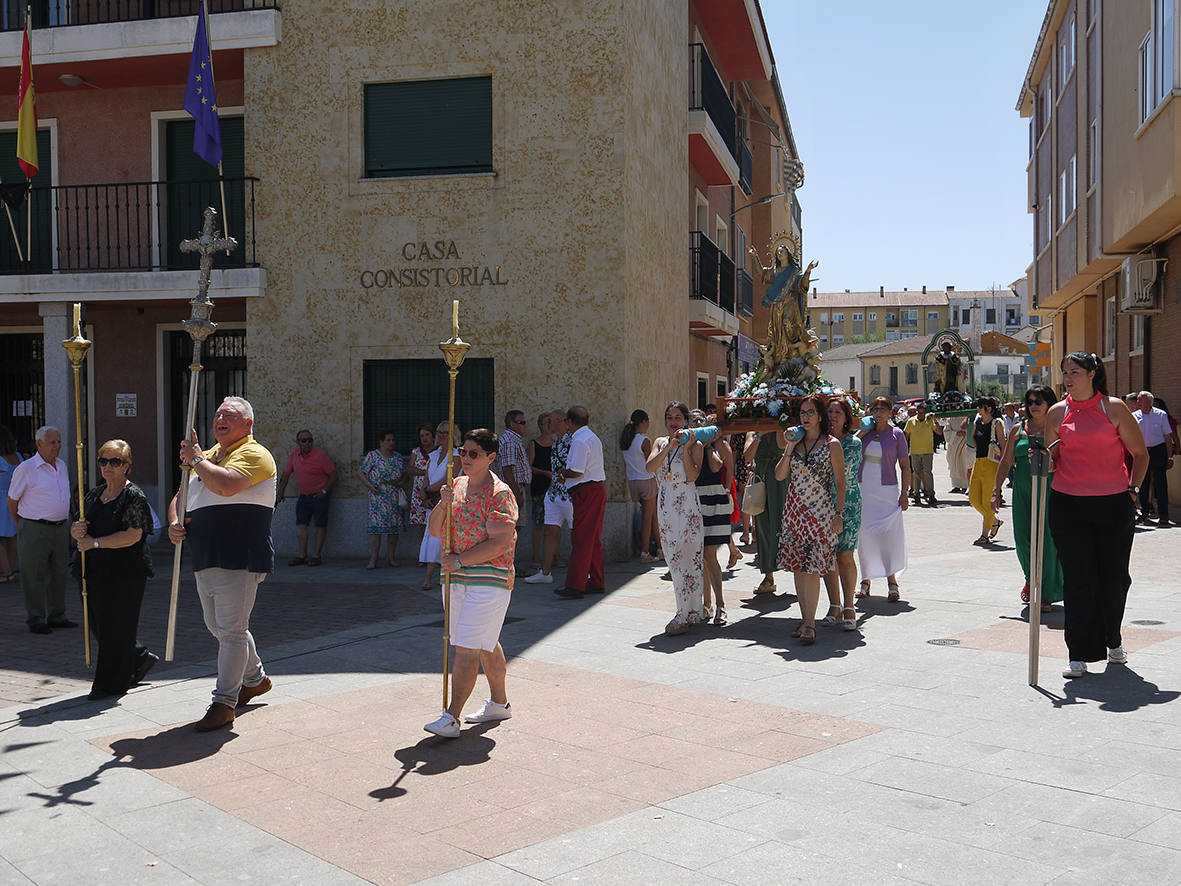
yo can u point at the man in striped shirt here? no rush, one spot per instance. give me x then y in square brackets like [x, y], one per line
[231, 498]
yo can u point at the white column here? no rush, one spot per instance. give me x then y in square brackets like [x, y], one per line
[59, 377]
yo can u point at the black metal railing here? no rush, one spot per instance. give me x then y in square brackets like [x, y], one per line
[711, 272]
[703, 267]
[725, 282]
[124, 226]
[746, 293]
[707, 92]
[746, 165]
[797, 212]
[59, 13]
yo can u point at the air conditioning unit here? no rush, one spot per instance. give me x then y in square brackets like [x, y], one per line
[1143, 277]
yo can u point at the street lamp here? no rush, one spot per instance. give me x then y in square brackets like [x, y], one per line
[759, 202]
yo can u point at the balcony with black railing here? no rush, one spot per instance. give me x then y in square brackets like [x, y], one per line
[746, 165]
[711, 292]
[713, 134]
[62, 13]
[746, 293]
[124, 226]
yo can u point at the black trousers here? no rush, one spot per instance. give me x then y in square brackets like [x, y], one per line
[1094, 538]
[114, 619]
[1158, 470]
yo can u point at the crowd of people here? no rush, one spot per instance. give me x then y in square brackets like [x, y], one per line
[822, 500]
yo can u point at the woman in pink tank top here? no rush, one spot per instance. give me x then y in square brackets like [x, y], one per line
[1093, 508]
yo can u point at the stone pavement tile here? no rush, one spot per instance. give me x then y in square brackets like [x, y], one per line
[929, 859]
[1098, 855]
[786, 863]
[426, 807]
[1012, 635]
[780, 746]
[1062, 771]
[486, 873]
[287, 758]
[714, 802]
[679, 839]
[938, 723]
[584, 732]
[10, 876]
[947, 751]
[113, 865]
[233, 796]
[395, 859]
[1028, 803]
[651, 785]
[843, 758]
[1162, 832]
[348, 779]
[517, 787]
[631, 867]
[1156, 789]
[688, 756]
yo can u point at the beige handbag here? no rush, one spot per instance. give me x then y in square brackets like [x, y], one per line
[754, 499]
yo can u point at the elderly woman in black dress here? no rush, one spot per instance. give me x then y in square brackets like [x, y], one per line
[112, 532]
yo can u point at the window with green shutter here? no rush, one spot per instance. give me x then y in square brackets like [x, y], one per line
[428, 127]
[402, 394]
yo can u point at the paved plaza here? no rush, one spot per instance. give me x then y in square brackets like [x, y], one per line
[911, 752]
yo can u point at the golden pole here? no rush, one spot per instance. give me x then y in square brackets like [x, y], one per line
[76, 349]
[454, 350]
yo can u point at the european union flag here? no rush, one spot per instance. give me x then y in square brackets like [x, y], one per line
[201, 98]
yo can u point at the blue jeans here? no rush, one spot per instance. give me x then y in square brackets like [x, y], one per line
[227, 598]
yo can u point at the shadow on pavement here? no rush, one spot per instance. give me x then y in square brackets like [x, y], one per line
[435, 755]
[1118, 689]
[172, 747]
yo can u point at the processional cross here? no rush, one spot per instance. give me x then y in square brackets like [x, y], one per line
[199, 327]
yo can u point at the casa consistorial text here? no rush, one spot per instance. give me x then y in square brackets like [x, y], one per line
[428, 264]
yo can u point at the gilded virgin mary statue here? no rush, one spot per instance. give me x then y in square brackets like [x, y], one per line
[786, 297]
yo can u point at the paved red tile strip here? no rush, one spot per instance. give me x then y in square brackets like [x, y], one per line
[352, 779]
[1012, 635]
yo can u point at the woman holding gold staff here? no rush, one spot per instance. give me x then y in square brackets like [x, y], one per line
[483, 541]
[112, 532]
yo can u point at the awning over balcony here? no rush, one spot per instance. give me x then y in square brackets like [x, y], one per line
[736, 37]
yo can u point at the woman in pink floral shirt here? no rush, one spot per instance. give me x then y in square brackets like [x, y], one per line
[483, 544]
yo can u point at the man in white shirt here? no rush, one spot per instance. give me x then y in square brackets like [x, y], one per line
[1154, 425]
[39, 501]
[586, 480]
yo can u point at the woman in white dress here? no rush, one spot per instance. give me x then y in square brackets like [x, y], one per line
[430, 551]
[881, 546]
[959, 457]
[682, 533]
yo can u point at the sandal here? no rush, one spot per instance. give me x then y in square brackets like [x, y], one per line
[849, 622]
[8, 579]
[676, 627]
[807, 635]
[707, 615]
[1025, 593]
[982, 540]
[863, 591]
[766, 587]
[831, 619]
[996, 527]
[720, 617]
[799, 629]
[735, 556]
[893, 596]
[371, 565]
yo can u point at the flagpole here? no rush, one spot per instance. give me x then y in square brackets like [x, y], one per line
[29, 196]
[221, 182]
[12, 227]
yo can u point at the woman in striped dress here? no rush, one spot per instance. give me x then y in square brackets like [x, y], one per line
[714, 499]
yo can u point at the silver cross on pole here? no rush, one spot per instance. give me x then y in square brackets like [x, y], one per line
[199, 327]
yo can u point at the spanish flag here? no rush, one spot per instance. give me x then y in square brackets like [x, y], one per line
[26, 114]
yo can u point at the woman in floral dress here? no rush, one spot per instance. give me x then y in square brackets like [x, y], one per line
[420, 458]
[844, 577]
[812, 467]
[676, 466]
[381, 473]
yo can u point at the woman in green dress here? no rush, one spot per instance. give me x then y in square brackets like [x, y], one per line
[765, 452]
[1038, 400]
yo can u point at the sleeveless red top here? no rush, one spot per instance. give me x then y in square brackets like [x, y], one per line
[1090, 454]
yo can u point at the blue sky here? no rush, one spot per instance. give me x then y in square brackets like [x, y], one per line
[914, 157]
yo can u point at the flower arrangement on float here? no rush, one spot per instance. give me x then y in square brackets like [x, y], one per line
[762, 401]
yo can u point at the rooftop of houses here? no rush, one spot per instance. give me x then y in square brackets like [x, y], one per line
[889, 298]
[915, 345]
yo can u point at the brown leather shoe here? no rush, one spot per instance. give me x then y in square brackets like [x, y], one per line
[248, 692]
[216, 717]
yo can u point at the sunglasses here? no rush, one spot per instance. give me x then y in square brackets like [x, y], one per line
[114, 462]
[1034, 401]
[471, 453]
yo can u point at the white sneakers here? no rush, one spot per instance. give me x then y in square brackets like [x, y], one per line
[445, 727]
[448, 727]
[539, 578]
[490, 712]
[1116, 655]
